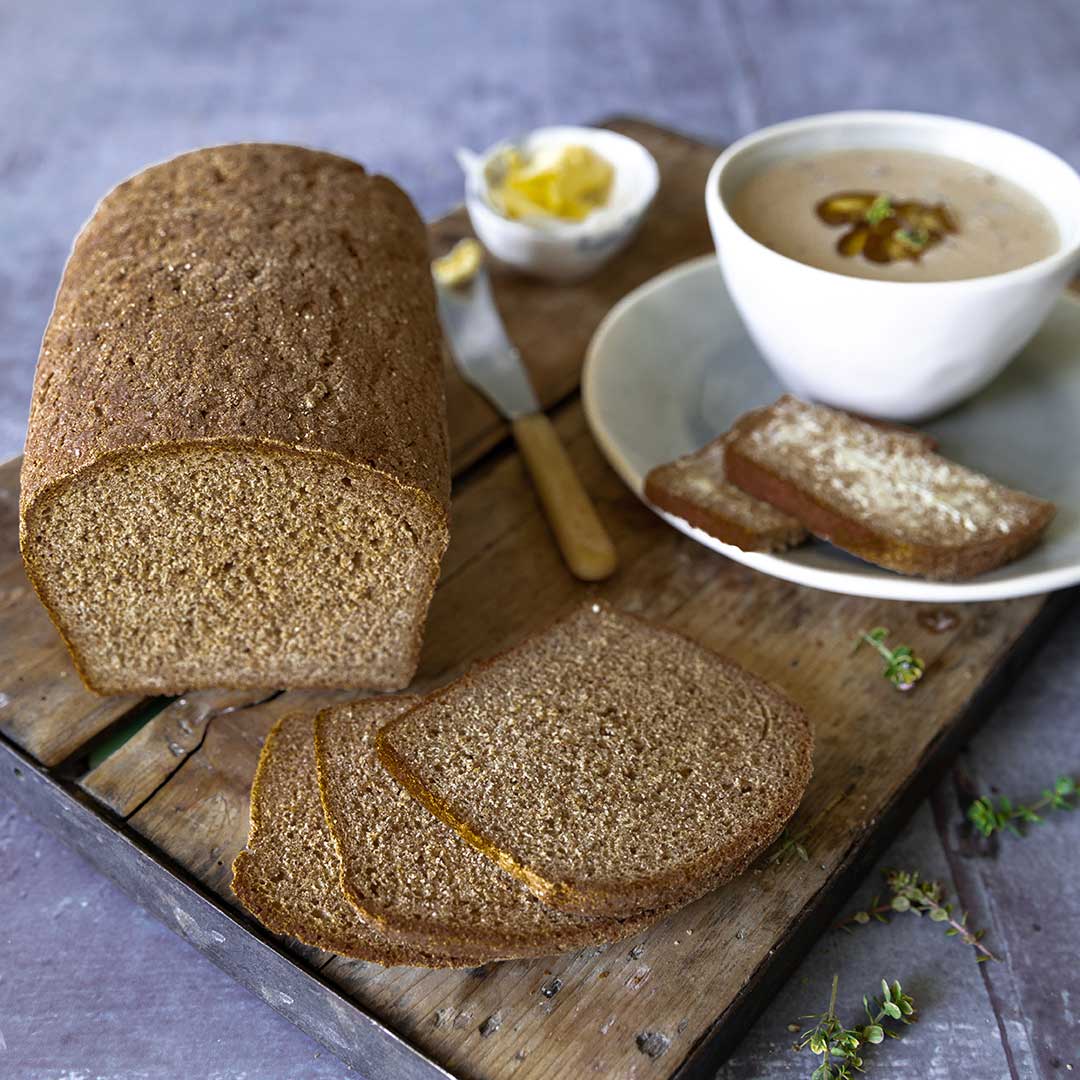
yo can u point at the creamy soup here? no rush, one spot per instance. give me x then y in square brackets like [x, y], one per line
[899, 215]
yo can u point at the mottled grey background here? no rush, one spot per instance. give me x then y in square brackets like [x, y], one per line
[92, 91]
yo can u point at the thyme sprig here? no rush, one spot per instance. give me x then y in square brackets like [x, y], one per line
[912, 239]
[880, 209]
[991, 817]
[910, 892]
[792, 841]
[839, 1046]
[902, 667]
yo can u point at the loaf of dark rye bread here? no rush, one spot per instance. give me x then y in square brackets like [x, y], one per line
[879, 494]
[412, 877]
[236, 468]
[288, 875]
[611, 765]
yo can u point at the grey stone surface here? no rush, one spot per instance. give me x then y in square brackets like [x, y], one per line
[92, 988]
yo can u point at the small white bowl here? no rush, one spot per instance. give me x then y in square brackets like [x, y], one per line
[898, 350]
[564, 250]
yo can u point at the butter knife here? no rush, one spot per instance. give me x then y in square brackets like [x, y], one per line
[488, 361]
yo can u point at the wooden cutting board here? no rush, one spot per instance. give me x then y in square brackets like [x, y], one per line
[165, 811]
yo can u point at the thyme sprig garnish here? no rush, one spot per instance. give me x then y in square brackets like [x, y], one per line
[912, 239]
[990, 816]
[902, 667]
[910, 892]
[793, 841]
[839, 1046]
[880, 209]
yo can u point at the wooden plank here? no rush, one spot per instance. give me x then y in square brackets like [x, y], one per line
[697, 962]
[212, 786]
[498, 586]
[130, 775]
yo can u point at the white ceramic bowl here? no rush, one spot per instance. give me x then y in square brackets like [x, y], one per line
[565, 250]
[899, 350]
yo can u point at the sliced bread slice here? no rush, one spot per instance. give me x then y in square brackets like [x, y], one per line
[413, 877]
[694, 488]
[287, 877]
[879, 494]
[611, 765]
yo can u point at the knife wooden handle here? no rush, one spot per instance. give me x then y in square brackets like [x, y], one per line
[582, 538]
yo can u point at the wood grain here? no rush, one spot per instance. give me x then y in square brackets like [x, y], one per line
[131, 774]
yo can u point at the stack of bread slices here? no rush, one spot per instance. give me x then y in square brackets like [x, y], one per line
[877, 490]
[567, 793]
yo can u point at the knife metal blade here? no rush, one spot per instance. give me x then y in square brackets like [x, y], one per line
[484, 354]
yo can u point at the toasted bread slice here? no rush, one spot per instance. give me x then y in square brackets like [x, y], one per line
[287, 877]
[612, 766]
[694, 488]
[880, 494]
[413, 877]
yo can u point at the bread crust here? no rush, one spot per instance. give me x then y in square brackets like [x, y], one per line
[612, 899]
[126, 359]
[719, 526]
[662, 485]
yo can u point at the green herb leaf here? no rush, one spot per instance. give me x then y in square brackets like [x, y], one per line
[902, 667]
[839, 1046]
[880, 209]
[912, 239]
[989, 817]
[911, 893]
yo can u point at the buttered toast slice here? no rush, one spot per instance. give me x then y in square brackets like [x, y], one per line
[880, 494]
[612, 766]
